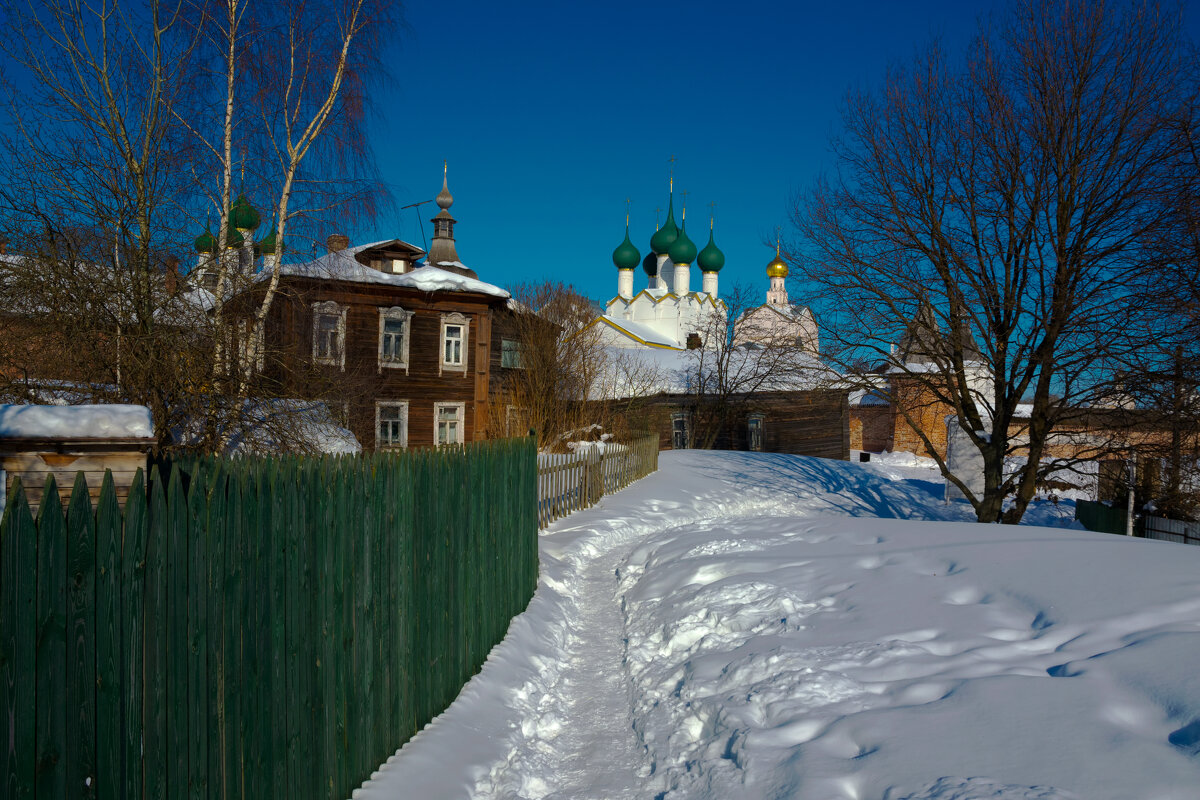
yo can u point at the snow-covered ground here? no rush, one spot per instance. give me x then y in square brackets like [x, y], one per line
[759, 626]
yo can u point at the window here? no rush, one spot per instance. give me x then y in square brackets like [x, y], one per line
[448, 423]
[455, 332]
[510, 354]
[391, 424]
[394, 334]
[754, 432]
[329, 334]
[453, 341]
[679, 431]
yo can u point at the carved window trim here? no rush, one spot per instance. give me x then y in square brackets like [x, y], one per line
[402, 427]
[329, 309]
[449, 346]
[395, 313]
[460, 420]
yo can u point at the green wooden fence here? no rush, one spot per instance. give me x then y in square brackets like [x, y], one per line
[255, 628]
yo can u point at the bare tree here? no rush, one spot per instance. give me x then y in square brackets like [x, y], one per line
[128, 120]
[745, 351]
[995, 214]
[560, 359]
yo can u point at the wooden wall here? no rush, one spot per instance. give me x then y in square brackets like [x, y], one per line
[361, 383]
[34, 464]
[810, 423]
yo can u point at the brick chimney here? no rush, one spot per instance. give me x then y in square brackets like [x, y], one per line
[337, 241]
[171, 277]
[3, 245]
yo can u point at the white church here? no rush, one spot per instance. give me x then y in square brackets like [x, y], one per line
[668, 314]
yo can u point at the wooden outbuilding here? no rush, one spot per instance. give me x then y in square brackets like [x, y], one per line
[39, 441]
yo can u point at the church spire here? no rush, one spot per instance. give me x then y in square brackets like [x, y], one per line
[777, 271]
[442, 249]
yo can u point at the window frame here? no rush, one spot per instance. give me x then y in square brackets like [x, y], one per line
[761, 432]
[454, 320]
[461, 408]
[394, 313]
[379, 407]
[331, 309]
[681, 416]
[517, 350]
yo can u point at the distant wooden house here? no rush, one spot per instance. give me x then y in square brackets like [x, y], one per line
[812, 422]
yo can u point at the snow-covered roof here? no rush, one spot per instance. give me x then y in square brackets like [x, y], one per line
[923, 367]
[871, 397]
[75, 422]
[276, 426]
[343, 266]
[639, 331]
[641, 372]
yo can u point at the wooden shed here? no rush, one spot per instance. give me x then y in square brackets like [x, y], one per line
[39, 441]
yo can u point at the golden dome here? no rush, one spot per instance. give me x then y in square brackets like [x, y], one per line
[778, 268]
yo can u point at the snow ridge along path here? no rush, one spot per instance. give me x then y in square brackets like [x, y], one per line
[749, 625]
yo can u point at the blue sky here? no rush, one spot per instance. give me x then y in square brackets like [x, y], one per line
[551, 114]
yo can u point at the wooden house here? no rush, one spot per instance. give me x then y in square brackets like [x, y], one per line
[406, 354]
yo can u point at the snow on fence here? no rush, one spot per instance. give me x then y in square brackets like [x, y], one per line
[567, 483]
[254, 628]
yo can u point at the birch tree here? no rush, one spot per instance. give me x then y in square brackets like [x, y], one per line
[133, 120]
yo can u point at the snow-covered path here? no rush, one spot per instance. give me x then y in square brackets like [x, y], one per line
[581, 721]
[742, 625]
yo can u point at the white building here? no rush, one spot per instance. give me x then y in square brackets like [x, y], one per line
[668, 313]
[777, 321]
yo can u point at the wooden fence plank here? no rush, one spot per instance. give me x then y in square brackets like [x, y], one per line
[81, 643]
[178, 723]
[276, 615]
[109, 530]
[133, 633]
[155, 732]
[51, 771]
[197, 634]
[234, 612]
[18, 669]
[217, 663]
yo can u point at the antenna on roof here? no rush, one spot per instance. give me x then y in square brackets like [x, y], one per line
[420, 221]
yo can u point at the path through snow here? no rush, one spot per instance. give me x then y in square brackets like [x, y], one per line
[752, 626]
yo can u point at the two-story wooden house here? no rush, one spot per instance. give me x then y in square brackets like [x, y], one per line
[413, 352]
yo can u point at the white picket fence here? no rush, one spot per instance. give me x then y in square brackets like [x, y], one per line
[567, 483]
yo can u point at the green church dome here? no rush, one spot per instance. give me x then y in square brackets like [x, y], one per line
[711, 259]
[242, 215]
[234, 239]
[664, 237]
[650, 264]
[206, 242]
[626, 256]
[267, 245]
[682, 251]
